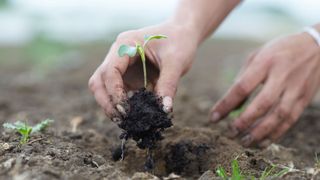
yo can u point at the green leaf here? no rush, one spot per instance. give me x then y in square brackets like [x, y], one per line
[9, 126]
[42, 125]
[16, 126]
[221, 172]
[131, 51]
[148, 38]
[236, 173]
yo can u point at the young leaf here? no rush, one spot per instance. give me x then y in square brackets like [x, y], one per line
[131, 51]
[42, 125]
[236, 173]
[148, 38]
[16, 126]
[22, 128]
[9, 126]
[221, 173]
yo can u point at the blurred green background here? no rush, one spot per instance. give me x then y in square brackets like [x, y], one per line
[47, 33]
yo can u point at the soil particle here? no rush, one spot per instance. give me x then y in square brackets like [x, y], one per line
[144, 176]
[145, 119]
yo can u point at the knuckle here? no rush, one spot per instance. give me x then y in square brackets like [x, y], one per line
[122, 35]
[171, 86]
[250, 57]
[104, 74]
[267, 59]
[305, 101]
[286, 125]
[264, 103]
[241, 88]
[284, 114]
[118, 87]
[92, 84]
[265, 128]
[241, 124]
[125, 35]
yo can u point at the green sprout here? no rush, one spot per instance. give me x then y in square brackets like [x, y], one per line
[271, 172]
[25, 130]
[236, 174]
[131, 51]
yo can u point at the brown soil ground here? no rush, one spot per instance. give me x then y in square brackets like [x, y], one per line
[191, 148]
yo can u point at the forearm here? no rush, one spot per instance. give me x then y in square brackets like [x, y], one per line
[203, 16]
[317, 26]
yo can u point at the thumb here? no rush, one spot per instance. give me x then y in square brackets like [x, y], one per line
[166, 86]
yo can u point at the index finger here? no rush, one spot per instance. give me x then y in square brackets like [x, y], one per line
[114, 68]
[243, 87]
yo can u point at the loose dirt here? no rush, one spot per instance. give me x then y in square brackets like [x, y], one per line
[191, 149]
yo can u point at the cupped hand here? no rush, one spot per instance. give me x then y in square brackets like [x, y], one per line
[288, 71]
[167, 60]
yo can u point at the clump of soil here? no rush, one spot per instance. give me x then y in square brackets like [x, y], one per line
[145, 119]
[183, 154]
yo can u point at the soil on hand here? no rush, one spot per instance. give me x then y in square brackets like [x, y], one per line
[145, 120]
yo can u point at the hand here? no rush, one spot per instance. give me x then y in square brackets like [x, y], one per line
[167, 60]
[289, 70]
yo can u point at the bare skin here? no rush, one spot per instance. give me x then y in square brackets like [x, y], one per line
[172, 57]
[287, 68]
[116, 75]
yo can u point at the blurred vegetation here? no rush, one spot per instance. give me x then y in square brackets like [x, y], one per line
[44, 52]
[3, 3]
[41, 55]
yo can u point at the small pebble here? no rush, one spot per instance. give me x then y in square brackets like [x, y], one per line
[5, 146]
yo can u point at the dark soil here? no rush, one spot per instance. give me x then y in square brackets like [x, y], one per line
[145, 119]
[192, 148]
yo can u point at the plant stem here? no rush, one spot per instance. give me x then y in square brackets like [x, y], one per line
[24, 139]
[144, 71]
[143, 59]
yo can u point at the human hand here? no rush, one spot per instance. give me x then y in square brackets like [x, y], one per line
[167, 61]
[289, 70]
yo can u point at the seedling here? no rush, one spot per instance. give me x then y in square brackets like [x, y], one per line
[236, 174]
[270, 173]
[132, 51]
[25, 130]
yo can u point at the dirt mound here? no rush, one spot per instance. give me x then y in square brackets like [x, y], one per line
[145, 119]
[191, 152]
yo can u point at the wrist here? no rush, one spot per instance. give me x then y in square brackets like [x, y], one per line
[313, 33]
[189, 29]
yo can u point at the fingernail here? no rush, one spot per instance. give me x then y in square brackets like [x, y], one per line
[121, 110]
[167, 104]
[215, 117]
[116, 120]
[247, 140]
[233, 132]
[265, 143]
[130, 94]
